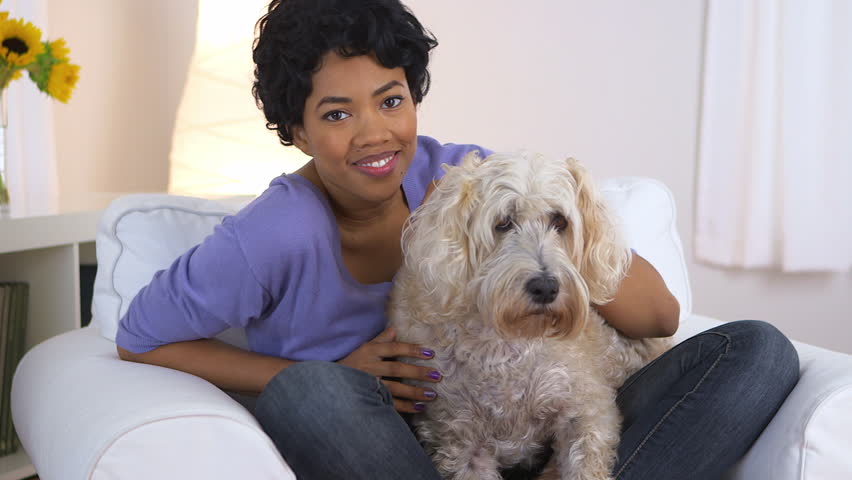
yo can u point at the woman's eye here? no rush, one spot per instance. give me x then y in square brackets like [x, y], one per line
[559, 222]
[336, 115]
[504, 225]
[392, 102]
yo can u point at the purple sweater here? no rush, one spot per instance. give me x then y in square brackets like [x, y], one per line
[275, 268]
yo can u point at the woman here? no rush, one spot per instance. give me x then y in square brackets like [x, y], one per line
[306, 269]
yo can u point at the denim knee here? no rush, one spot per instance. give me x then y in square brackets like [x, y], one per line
[332, 421]
[767, 353]
[304, 389]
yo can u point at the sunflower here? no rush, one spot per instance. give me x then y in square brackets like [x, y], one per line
[63, 78]
[59, 50]
[20, 42]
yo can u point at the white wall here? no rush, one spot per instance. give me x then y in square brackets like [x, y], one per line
[114, 134]
[613, 83]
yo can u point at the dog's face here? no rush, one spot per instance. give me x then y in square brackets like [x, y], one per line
[522, 239]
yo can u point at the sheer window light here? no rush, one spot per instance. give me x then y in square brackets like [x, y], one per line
[220, 144]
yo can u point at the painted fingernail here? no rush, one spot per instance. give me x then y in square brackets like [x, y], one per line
[435, 375]
[430, 394]
[419, 406]
[427, 353]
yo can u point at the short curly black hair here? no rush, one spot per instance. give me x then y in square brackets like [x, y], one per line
[294, 35]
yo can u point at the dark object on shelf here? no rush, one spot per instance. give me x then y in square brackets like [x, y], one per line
[14, 298]
[87, 288]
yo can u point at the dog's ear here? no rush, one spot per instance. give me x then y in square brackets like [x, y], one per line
[604, 258]
[434, 240]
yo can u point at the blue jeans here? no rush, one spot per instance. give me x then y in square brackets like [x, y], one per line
[692, 413]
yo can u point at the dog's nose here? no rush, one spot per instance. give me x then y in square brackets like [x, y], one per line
[543, 289]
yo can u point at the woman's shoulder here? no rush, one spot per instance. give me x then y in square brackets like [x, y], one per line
[432, 154]
[291, 212]
[427, 165]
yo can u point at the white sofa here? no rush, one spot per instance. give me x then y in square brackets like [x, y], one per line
[82, 413]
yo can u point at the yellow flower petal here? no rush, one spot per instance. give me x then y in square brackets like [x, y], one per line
[63, 77]
[20, 42]
[59, 50]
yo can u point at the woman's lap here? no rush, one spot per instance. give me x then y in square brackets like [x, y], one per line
[692, 413]
[331, 421]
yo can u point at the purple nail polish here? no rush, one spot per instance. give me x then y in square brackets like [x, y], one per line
[419, 406]
[435, 375]
[430, 394]
[428, 353]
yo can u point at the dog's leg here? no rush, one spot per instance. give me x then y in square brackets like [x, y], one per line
[585, 444]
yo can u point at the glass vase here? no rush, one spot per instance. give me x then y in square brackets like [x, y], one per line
[4, 190]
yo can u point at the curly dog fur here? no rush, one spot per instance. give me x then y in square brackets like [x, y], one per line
[501, 266]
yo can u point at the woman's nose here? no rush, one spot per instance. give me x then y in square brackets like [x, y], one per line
[373, 130]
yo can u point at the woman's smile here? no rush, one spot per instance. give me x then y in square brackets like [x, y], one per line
[379, 165]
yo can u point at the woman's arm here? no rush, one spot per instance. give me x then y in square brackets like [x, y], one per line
[208, 289]
[237, 370]
[226, 366]
[643, 306]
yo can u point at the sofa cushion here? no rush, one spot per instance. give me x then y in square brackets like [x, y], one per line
[646, 208]
[140, 234]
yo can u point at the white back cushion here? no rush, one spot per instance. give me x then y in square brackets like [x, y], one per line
[140, 234]
[648, 216]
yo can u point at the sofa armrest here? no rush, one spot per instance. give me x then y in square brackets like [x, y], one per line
[81, 412]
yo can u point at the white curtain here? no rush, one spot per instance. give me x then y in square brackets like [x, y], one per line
[30, 152]
[220, 145]
[775, 157]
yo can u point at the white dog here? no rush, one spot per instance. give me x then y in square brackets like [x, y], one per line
[502, 263]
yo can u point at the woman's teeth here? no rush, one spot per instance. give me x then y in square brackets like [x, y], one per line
[378, 163]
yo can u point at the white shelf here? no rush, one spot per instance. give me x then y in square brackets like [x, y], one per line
[29, 233]
[75, 221]
[45, 251]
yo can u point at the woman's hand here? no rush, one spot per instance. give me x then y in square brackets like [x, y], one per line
[378, 357]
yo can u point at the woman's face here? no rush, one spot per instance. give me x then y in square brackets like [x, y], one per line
[360, 126]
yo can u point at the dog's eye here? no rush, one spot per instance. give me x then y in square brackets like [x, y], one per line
[559, 222]
[504, 225]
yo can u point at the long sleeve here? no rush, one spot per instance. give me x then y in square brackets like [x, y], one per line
[205, 291]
